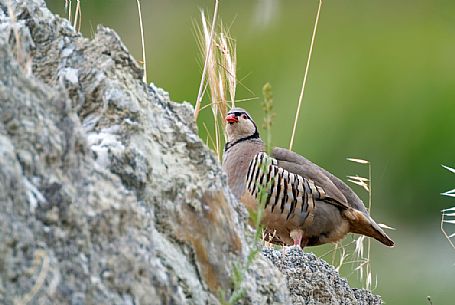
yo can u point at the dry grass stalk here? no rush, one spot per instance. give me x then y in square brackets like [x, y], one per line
[207, 50]
[305, 75]
[220, 75]
[229, 62]
[214, 80]
[343, 256]
[353, 254]
[364, 263]
[361, 262]
[78, 17]
[448, 215]
[267, 106]
[235, 102]
[384, 226]
[77, 20]
[144, 60]
[363, 256]
[68, 7]
[268, 237]
[363, 182]
[342, 251]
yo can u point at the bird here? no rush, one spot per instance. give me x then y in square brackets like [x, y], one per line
[304, 204]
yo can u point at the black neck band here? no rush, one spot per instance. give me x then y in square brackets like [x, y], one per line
[228, 145]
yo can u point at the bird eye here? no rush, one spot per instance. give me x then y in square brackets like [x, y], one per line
[244, 116]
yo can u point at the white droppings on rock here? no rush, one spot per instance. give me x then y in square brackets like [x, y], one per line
[34, 195]
[66, 51]
[104, 143]
[70, 75]
[130, 122]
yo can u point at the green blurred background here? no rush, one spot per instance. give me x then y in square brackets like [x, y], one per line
[381, 87]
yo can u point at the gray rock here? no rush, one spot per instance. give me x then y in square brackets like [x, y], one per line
[107, 194]
[312, 281]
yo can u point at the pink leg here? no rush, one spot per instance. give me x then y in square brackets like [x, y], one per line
[297, 241]
[297, 236]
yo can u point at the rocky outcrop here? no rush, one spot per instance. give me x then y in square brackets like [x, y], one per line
[312, 281]
[107, 194]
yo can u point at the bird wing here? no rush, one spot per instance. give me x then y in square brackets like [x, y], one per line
[285, 191]
[334, 187]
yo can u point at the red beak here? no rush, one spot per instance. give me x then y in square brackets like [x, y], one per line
[231, 118]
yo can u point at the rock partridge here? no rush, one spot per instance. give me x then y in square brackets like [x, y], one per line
[305, 205]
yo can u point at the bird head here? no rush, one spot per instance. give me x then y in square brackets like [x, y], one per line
[239, 125]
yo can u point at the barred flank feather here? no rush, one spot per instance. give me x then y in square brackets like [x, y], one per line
[284, 189]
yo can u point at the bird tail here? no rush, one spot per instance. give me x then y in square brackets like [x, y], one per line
[364, 224]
